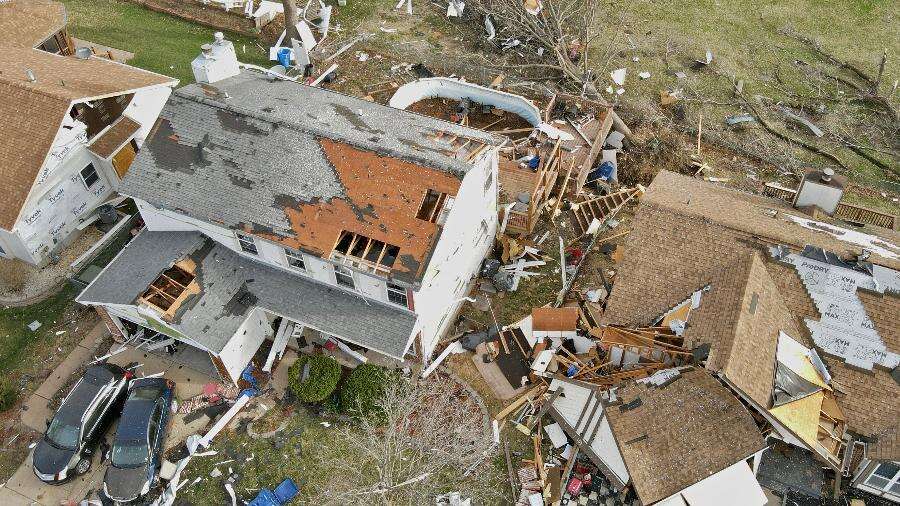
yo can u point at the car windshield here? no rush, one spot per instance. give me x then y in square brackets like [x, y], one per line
[62, 434]
[129, 454]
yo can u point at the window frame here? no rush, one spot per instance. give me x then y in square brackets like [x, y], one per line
[889, 482]
[398, 291]
[342, 270]
[242, 239]
[290, 254]
[84, 179]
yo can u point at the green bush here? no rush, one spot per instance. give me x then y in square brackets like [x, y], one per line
[324, 374]
[362, 388]
[8, 396]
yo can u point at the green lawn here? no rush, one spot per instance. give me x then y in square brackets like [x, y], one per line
[665, 36]
[19, 346]
[161, 43]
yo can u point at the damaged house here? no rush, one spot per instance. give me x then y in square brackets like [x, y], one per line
[282, 212]
[797, 316]
[677, 437]
[72, 125]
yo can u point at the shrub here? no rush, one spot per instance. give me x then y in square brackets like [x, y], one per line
[8, 395]
[362, 389]
[322, 378]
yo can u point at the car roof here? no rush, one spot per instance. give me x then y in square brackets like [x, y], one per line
[87, 388]
[133, 424]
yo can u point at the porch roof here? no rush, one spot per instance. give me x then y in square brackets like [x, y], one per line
[231, 285]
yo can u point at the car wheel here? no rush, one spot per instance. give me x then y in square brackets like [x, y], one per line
[83, 466]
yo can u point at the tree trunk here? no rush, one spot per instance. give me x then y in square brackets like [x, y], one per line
[291, 18]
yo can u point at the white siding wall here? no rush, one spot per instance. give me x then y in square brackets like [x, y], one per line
[59, 200]
[371, 286]
[243, 345]
[459, 251]
[150, 319]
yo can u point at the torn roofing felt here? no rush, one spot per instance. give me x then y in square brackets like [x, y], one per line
[231, 286]
[298, 165]
[790, 386]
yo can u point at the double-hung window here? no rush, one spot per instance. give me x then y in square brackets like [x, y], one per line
[344, 276]
[89, 176]
[397, 294]
[247, 244]
[295, 259]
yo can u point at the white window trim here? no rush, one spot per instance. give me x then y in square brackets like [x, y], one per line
[83, 180]
[886, 490]
[288, 253]
[399, 288]
[348, 271]
[238, 236]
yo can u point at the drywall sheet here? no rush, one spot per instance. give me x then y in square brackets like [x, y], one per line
[735, 485]
[844, 330]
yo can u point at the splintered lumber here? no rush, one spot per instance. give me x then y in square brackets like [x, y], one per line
[619, 377]
[533, 393]
[562, 189]
[624, 337]
[545, 407]
[602, 208]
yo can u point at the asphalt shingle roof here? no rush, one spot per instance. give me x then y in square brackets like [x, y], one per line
[232, 285]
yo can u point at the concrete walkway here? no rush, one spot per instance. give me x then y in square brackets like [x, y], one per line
[36, 410]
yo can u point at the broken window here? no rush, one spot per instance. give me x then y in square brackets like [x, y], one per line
[365, 253]
[248, 245]
[435, 207]
[89, 176]
[344, 276]
[168, 288]
[294, 259]
[397, 294]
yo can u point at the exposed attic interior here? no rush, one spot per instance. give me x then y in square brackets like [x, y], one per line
[169, 291]
[365, 253]
[99, 114]
[435, 207]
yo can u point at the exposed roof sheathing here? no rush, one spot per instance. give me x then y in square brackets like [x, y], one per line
[688, 234]
[33, 110]
[680, 433]
[297, 165]
[554, 319]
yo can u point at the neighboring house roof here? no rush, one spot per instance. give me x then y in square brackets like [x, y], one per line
[689, 234]
[228, 280]
[105, 144]
[554, 319]
[298, 164]
[27, 23]
[678, 433]
[33, 111]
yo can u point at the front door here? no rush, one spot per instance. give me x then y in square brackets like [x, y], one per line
[122, 160]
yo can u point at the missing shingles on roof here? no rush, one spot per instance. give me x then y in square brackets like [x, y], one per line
[355, 119]
[240, 302]
[637, 439]
[168, 153]
[232, 122]
[241, 181]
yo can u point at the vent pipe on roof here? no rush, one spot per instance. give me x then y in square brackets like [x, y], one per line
[30, 75]
[827, 174]
[219, 37]
[83, 53]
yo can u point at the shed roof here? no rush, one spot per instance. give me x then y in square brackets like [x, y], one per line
[554, 318]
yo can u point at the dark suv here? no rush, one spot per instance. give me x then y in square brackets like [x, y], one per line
[137, 448]
[79, 424]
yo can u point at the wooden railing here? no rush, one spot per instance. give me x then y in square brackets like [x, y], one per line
[844, 211]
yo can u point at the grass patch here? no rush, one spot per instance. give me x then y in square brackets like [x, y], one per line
[161, 43]
[17, 342]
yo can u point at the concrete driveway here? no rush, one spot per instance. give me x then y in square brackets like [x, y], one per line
[25, 489]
